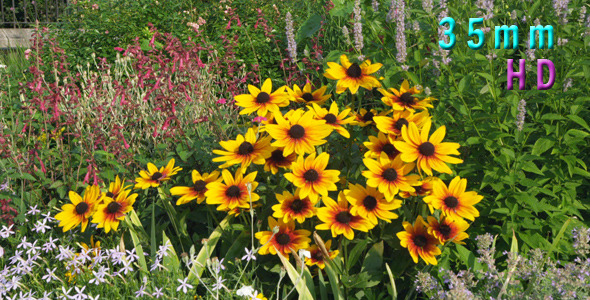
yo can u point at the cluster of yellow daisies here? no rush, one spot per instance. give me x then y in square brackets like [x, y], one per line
[399, 162]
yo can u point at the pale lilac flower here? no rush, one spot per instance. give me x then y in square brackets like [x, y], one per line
[66, 293]
[513, 15]
[581, 243]
[567, 84]
[24, 244]
[47, 217]
[156, 265]
[255, 296]
[141, 291]
[184, 286]
[1, 252]
[80, 294]
[219, 284]
[5, 232]
[93, 298]
[375, 5]
[491, 56]
[400, 32]
[158, 292]
[4, 186]
[64, 253]
[427, 91]
[488, 6]
[50, 275]
[346, 34]
[249, 255]
[163, 250]
[580, 20]
[99, 276]
[357, 27]
[46, 295]
[33, 210]
[521, 115]
[562, 42]
[132, 256]
[126, 268]
[291, 44]
[416, 26]
[427, 6]
[41, 226]
[561, 9]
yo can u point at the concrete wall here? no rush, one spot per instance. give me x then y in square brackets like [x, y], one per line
[12, 38]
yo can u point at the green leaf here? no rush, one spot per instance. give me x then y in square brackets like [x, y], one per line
[374, 259]
[542, 145]
[393, 287]
[356, 253]
[531, 167]
[170, 261]
[468, 258]
[579, 121]
[334, 282]
[136, 241]
[514, 245]
[298, 281]
[464, 83]
[311, 26]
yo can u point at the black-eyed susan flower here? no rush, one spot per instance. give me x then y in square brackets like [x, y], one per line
[300, 133]
[277, 159]
[285, 240]
[113, 210]
[370, 204]
[293, 207]
[80, 209]
[337, 218]
[197, 190]
[448, 229]
[421, 190]
[381, 144]
[306, 95]
[404, 99]
[352, 75]
[418, 242]
[262, 100]
[393, 125]
[333, 118]
[311, 176]
[390, 176]
[454, 201]
[244, 150]
[429, 153]
[116, 187]
[365, 117]
[316, 256]
[233, 191]
[153, 177]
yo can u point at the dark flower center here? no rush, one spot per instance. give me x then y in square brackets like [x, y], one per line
[390, 150]
[113, 207]
[400, 123]
[233, 191]
[445, 230]
[297, 131]
[262, 98]
[156, 176]
[199, 186]
[419, 189]
[368, 116]
[318, 255]
[354, 71]
[426, 149]
[283, 239]
[420, 241]
[245, 148]
[307, 97]
[297, 205]
[407, 99]
[110, 195]
[330, 118]
[277, 156]
[343, 217]
[451, 202]
[389, 174]
[81, 208]
[311, 175]
[370, 202]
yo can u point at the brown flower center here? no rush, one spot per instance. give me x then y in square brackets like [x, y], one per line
[199, 186]
[81, 208]
[400, 123]
[110, 195]
[330, 118]
[283, 239]
[344, 217]
[445, 230]
[354, 71]
[307, 97]
[406, 99]
[262, 98]
[297, 131]
[419, 189]
[277, 156]
[451, 202]
[368, 116]
[317, 255]
[311, 175]
[389, 174]
[297, 205]
[233, 191]
[113, 207]
[420, 241]
[370, 202]
[245, 148]
[157, 176]
[390, 150]
[426, 149]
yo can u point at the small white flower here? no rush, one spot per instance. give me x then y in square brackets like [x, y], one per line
[183, 285]
[5, 232]
[2, 66]
[1, 252]
[50, 275]
[304, 253]
[249, 255]
[33, 210]
[219, 284]
[245, 291]
[157, 292]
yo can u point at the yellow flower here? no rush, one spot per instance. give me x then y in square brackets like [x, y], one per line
[352, 75]
[390, 176]
[277, 159]
[333, 118]
[115, 188]
[338, 219]
[448, 229]
[80, 210]
[197, 191]
[404, 98]
[370, 204]
[293, 207]
[232, 192]
[454, 201]
[285, 241]
[244, 150]
[419, 242]
[393, 125]
[113, 210]
[262, 100]
[300, 133]
[312, 177]
[305, 95]
[154, 176]
[317, 257]
[381, 144]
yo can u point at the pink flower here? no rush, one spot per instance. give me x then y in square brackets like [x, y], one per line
[95, 6]
[222, 101]
[259, 119]
[27, 54]
[119, 49]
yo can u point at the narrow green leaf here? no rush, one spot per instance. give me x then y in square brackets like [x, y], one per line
[393, 287]
[558, 237]
[514, 245]
[170, 261]
[137, 244]
[334, 283]
[298, 281]
[205, 253]
[542, 145]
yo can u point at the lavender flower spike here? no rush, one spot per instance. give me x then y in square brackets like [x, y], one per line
[521, 115]
[358, 27]
[291, 44]
[400, 35]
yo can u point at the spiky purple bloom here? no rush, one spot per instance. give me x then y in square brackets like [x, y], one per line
[400, 29]
[291, 44]
[358, 27]
[561, 10]
[427, 6]
[521, 115]
[375, 5]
